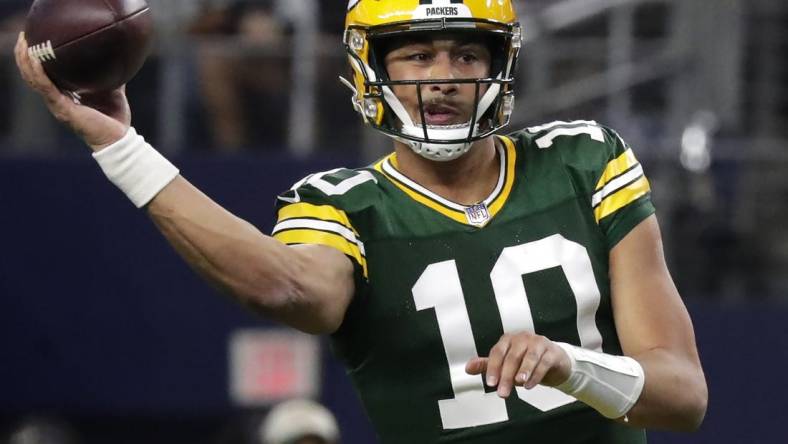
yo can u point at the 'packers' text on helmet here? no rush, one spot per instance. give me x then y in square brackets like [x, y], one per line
[370, 22]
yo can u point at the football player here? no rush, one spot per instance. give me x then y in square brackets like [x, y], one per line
[479, 288]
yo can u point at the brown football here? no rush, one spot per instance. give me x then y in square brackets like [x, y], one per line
[90, 45]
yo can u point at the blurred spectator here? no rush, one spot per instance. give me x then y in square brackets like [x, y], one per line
[26, 127]
[299, 422]
[12, 15]
[43, 431]
[243, 65]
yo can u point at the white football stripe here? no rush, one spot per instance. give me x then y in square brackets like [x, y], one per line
[616, 184]
[322, 225]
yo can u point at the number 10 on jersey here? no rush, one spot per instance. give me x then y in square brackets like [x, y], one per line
[439, 288]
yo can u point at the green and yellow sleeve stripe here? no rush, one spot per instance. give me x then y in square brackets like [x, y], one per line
[304, 223]
[622, 183]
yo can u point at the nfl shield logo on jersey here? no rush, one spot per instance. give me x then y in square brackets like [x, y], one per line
[477, 214]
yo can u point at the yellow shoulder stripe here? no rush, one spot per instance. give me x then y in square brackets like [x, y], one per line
[323, 212]
[306, 236]
[617, 166]
[621, 198]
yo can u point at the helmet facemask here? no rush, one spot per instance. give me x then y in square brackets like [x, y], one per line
[383, 111]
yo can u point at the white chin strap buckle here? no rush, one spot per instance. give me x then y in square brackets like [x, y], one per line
[441, 152]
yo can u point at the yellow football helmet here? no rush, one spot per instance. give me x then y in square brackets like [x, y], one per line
[370, 22]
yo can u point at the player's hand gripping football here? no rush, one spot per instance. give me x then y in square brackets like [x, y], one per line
[99, 119]
[523, 359]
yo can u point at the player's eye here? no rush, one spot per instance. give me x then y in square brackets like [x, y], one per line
[468, 57]
[418, 56]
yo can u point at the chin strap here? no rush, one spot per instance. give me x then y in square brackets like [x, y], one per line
[442, 152]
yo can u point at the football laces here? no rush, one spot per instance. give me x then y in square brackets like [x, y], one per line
[42, 52]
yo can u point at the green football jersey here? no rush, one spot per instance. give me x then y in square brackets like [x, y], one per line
[438, 283]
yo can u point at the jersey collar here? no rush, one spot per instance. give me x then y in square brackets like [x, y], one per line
[474, 215]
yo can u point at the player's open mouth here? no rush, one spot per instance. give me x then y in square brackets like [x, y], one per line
[440, 115]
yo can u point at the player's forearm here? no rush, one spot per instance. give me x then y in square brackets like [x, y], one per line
[674, 396]
[294, 287]
[226, 250]
[654, 328]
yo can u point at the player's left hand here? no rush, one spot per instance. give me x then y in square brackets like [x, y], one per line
[523, 359]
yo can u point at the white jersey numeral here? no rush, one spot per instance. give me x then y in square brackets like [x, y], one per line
[559, 128]
[547, 140]
[507, 281]
[328, 188]
[439, 288]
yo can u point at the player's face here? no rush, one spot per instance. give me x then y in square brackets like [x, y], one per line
[444, 57]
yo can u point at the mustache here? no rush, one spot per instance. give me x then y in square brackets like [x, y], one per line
[441, 101]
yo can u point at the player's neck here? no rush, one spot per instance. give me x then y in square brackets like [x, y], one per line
[466, 180]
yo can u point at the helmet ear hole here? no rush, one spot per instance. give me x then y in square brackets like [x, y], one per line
[498, 57]
[379, 47]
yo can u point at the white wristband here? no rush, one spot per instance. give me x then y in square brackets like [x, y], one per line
[135, 167]
[610, 384]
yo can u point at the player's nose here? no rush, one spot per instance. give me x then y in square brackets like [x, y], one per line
[443, 69]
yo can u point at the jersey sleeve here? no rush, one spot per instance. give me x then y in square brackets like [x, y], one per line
[621, 196]
[312, 213]
[603, 169]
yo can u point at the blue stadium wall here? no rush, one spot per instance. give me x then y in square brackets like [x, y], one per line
[100, 320]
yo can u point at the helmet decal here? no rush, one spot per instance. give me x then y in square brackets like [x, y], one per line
[441, 8]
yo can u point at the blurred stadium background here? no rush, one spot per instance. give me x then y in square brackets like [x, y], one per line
[106, 337]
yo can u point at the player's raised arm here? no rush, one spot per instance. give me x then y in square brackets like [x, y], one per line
[307, 287]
